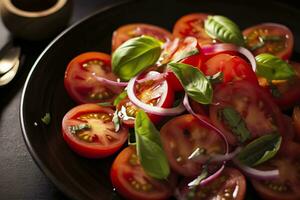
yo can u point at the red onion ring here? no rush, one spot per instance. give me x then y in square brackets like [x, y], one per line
[148, 108]
[110, 82]
[217, 48]
[257, 174]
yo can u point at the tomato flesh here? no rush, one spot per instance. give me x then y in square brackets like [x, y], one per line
[89, 131]
[80, 81]
[270, 38]
[181, 136]
[131, 181]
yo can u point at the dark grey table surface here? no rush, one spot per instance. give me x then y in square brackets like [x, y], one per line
[20, 178]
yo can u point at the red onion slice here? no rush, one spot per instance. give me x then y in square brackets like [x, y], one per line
[110, 82]
[218, 48]
[257, 174]
[148, 108]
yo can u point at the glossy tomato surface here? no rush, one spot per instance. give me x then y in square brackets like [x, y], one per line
[271, 38]
[192, 25]
[80, 81]
[286, 187]
[181, 136]
[89, 131]
[230, 185]
[154, 91]
[124, 33]
[254, 105]
[132, 182]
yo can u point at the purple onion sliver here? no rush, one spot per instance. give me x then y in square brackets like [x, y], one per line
[213, 176]
[110, 82]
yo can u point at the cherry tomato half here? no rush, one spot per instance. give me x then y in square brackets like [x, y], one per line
[131, 181]
[286, 187]
[181, 136]
[233, 68]
[230, 185]
[153, 92]
[80, 81]
[89, 131]
[192, 25]
[255, 106]
[296, 121]
[126, 32]
[271, 38]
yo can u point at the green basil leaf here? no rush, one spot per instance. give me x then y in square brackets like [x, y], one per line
[149, 147]
[46, 119]
[194, 82]
[223, 29]
[237, 125]
[120, 97]
[273, 68]
[135, 55]
[260, 150]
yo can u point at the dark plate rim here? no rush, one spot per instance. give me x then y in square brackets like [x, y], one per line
[31, 150]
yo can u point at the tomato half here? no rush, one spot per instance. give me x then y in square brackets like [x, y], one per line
[80, 81]
[181, 136]
[255, 106]
[233, 68]
[192, 25]
[89, 131]
[131, 181]
[288, 95]
[230, 185]
[153, 92]
[296, 121]
[271, 38]
[286, 187]
[126, 32]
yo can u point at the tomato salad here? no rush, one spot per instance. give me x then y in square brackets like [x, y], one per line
[201, 110]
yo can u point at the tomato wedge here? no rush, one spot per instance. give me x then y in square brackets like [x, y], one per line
[256, 108]
[192, 25]
[271, 38]
[286, 187]
[287, 95]
[233, 68]
[181, 136]
[131, 181]
[153, 92]
[80, 81]
[89, 131]
[124, 33]
[230, 185]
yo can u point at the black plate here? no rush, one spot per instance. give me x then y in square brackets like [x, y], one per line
[44, 92]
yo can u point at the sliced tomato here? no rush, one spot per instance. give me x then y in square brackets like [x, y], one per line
[131, 181]
[286, 187]
[255, 106]
[233, 68]
[181, 136]
[296, 121]
[271, 38]
[126, 32]
[80, 81]
[153, 92]
[230, 185]
[287, 95]
[89, 131]
[192, 25]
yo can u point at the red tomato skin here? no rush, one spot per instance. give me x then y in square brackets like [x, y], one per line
[276, 29]
[85, 150]
[124, 190]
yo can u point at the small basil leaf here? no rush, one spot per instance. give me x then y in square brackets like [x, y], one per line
[135, 55]
[237, 125]
[120, 97]
[260, 150]
[273, 68]
[149, 148]
[194, 82]
[223, 29]
[46, 119]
